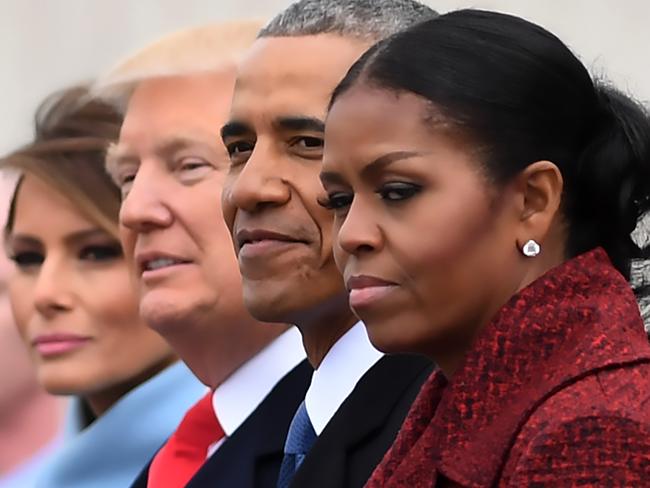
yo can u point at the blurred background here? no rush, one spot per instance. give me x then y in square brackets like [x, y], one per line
[49, 44]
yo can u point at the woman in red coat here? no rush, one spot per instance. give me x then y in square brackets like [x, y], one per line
[485, 189]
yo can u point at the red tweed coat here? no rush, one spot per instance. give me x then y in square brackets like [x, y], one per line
[555, 392]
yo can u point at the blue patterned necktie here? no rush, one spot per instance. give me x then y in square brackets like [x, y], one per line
[299, 440]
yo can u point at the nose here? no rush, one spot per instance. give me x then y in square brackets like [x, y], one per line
[143, 208]
[53, 293]
[358, 232]
[260, 183]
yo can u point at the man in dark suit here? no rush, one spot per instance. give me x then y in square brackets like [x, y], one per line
[358, 397]
[170, 165]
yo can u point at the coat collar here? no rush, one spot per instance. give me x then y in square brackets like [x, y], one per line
[362, 421]
[576, 319]
[99, 456]
[257, 445]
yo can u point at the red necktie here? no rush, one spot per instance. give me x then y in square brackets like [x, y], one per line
[187, 448]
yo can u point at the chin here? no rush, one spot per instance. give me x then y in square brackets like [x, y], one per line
[389, 336]
[267, 305]
[57, 381]
[168, 311]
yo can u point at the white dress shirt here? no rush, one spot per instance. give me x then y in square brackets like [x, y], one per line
[339, 372]
[242, 392]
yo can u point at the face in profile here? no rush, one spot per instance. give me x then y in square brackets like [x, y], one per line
[16, 371]
[73, 301]
[170, 166]
[282, 237]
[423, 241]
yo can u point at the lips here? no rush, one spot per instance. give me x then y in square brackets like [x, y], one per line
[253, 236]
[365, 291]
[58, 343]
[258, 244]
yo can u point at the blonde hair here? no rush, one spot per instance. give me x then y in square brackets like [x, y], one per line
[195, 50]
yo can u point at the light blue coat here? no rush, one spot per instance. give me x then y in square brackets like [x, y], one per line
[114, 448]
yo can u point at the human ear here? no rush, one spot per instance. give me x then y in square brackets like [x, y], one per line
[540, 188]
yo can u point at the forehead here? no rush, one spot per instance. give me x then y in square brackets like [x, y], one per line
[161, 107]
[292, 75]
[36, 197]
[359, 115]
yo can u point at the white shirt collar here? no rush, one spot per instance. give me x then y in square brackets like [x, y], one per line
[239, 395]
[339, 372]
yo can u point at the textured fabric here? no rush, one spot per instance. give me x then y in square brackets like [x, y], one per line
[187, 448]
[300, 438]
[111, 451]
[555, 391]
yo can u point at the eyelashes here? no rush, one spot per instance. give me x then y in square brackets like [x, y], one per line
[26, 259]
[335, 201]
[106, 252]
[97, 253]
[398, 191]
[391, 193]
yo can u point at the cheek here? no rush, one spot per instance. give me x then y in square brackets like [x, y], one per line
[128, 240]
[109, 297]
[309, 188]
[436, 246]
[205, 220]
[340, 256]
[22, 305]
[227, 209]
[125, 346]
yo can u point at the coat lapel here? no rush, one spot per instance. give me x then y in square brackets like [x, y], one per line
[251, 457]
[390, 385]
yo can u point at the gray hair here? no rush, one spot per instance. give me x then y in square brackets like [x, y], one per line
[367, 20]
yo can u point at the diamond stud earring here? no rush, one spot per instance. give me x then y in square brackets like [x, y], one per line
[531, 249]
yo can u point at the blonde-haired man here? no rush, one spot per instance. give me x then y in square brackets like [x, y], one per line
[170, 165]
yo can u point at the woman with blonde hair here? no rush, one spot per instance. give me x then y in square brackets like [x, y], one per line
[75, 306]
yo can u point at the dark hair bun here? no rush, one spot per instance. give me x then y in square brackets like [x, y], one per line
[612, 183]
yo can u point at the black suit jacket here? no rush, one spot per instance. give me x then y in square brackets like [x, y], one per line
[251, 457]
[365, 425]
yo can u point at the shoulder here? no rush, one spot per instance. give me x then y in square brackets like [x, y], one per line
[595, 431]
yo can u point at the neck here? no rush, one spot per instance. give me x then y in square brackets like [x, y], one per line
[30, 423]
[216, 347]
[449, 352]
[321, 328]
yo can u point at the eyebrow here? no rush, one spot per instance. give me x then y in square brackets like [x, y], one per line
[235, 128]
[372, 168]
[293, 123]
[166, 148]
[120, 154]
[298, 123]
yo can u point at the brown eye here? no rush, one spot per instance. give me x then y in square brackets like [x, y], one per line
[309, 142]
[239, 151]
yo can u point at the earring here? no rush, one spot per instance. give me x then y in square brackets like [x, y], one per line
[531, 249]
